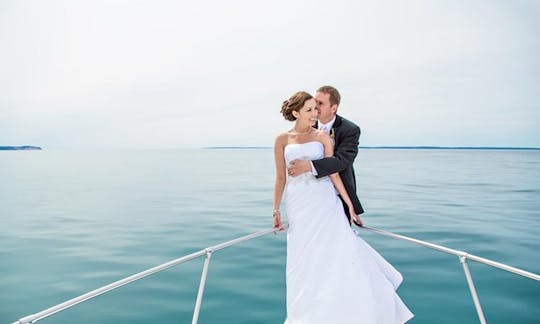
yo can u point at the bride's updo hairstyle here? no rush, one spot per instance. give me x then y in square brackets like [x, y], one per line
[294, 103]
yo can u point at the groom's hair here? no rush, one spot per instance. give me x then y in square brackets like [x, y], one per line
[335, 98]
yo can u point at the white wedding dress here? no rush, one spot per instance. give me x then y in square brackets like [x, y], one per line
[333, 276]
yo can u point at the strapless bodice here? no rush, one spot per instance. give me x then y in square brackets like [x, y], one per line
[305, 151]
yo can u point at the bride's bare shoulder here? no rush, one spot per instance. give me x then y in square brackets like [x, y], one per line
[282, 139]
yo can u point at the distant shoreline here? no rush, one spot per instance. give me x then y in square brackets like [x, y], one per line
[471, 148]
[450, 147]
[20, 148]
[393, 148]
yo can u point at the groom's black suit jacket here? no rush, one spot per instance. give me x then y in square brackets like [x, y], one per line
[346, 135]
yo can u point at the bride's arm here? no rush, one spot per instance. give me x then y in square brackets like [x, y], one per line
[279, 185]
[336, 180]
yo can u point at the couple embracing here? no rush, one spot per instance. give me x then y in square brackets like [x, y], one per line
[332, 276]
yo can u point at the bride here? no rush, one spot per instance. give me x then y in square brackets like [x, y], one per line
[333, 276]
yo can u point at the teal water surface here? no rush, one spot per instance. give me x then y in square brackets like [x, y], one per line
[72, 221]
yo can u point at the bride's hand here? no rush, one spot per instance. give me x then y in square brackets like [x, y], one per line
[355, 218]
[277, 220]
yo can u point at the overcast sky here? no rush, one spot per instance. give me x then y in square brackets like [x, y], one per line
[170, 74]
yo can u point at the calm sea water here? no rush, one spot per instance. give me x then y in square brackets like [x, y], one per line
[72, 221]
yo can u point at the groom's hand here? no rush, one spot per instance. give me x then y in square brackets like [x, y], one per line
[297, 167]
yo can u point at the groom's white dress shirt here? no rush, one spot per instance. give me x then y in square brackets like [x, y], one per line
[324, 127]
[328, 126]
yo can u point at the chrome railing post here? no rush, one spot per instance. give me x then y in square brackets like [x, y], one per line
[476, 300]
[201, 287]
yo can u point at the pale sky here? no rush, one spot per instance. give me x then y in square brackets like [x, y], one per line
[172, 74]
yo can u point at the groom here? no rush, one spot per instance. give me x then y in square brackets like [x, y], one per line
[345, 135]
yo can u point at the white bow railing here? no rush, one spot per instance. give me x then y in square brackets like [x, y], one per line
[463, 257]
[207, 252]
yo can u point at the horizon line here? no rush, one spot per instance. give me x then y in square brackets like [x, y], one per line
[404, 147]
[263, 147]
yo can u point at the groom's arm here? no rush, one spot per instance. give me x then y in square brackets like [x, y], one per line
[344, 154]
